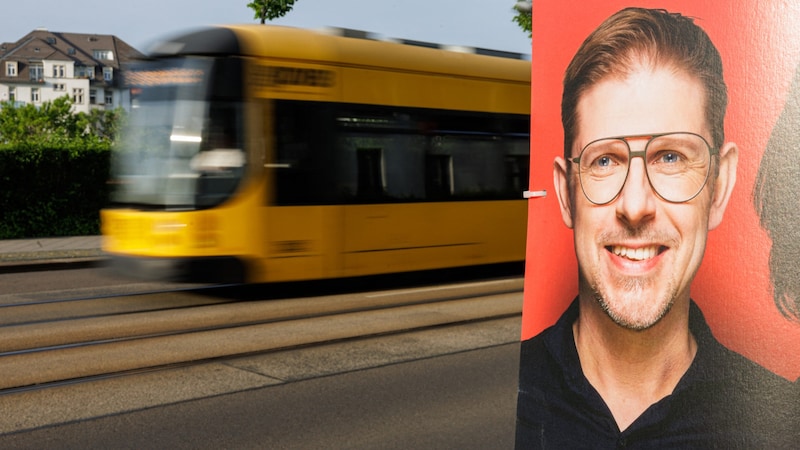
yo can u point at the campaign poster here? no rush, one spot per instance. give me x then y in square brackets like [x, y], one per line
[748, 284]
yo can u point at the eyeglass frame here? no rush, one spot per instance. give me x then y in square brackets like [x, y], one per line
[712, 151]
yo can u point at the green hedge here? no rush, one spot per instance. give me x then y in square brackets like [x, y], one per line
[53, 191]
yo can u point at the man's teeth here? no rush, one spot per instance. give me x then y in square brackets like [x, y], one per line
[636, 254]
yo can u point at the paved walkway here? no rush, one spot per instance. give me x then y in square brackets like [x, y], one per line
[17, 251]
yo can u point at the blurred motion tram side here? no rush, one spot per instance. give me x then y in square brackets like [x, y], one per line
[259, 153]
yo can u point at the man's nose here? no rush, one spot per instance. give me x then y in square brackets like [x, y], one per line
[637, 200]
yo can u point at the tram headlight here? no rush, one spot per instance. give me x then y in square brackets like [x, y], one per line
[168, 227]
[167, 233]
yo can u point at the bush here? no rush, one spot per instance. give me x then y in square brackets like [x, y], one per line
[54, 167]
[53, 190]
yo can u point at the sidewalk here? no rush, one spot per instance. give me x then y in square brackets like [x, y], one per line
[41, 250]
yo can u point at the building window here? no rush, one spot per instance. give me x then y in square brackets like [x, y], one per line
[61, 87]
[107, 55]
[109, 97]
[11, 68]
[59, 71]
[35, 98]
[84, 72]
[12, 94]
[37, 72]
[77, 96]
[92, 96]
[108, 73]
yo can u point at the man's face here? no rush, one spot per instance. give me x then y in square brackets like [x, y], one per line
[638, 254]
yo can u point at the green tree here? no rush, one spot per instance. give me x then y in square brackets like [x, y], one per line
[524, 17]
[102, 125]
[54, 122]
[270, 9]
[27, 124]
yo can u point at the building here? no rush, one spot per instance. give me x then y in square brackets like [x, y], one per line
[45, 65]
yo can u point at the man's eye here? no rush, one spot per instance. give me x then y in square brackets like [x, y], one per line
[603, 162]
[670, 158]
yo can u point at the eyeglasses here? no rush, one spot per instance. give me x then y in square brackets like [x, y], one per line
[677, 166]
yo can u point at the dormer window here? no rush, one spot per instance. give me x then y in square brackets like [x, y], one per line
[106, 55]
[11, 68]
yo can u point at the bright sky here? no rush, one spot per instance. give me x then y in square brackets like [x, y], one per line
[475, 23]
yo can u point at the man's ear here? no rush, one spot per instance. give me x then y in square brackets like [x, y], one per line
[560, 182]
[723, 186]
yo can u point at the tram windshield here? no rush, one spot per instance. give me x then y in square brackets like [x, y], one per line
[182, 146]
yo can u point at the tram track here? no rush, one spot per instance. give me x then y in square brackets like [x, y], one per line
[48, 311]
[196, 328]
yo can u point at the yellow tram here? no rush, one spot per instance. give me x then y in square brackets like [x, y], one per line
[261, 153]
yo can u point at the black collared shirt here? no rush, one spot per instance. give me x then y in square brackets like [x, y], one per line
[722, 401]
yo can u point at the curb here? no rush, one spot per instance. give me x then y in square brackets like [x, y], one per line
[50, 260]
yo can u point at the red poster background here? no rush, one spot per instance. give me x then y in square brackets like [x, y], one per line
[760, 47]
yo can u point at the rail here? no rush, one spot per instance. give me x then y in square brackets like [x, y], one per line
[83, 339]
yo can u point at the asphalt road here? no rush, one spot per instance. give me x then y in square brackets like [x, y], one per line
[445, 387]
[463, 400]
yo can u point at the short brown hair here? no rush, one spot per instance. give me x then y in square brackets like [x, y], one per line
[635, 35]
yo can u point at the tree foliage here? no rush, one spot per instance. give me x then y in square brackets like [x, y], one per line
[524, 20]
[270, 9]
[54, 123]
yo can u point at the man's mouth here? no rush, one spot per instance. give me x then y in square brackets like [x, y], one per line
[636, 254]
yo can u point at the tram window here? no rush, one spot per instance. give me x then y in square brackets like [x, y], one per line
[330, 153]
[518, 172]
[438, 176]
[303, 161]
[370, 173]
[478, 166]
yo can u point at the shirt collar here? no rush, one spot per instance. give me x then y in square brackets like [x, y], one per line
[561, 344]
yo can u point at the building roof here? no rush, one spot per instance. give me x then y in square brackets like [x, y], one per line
[79, 48]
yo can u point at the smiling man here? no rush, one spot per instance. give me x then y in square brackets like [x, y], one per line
[645, 176]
